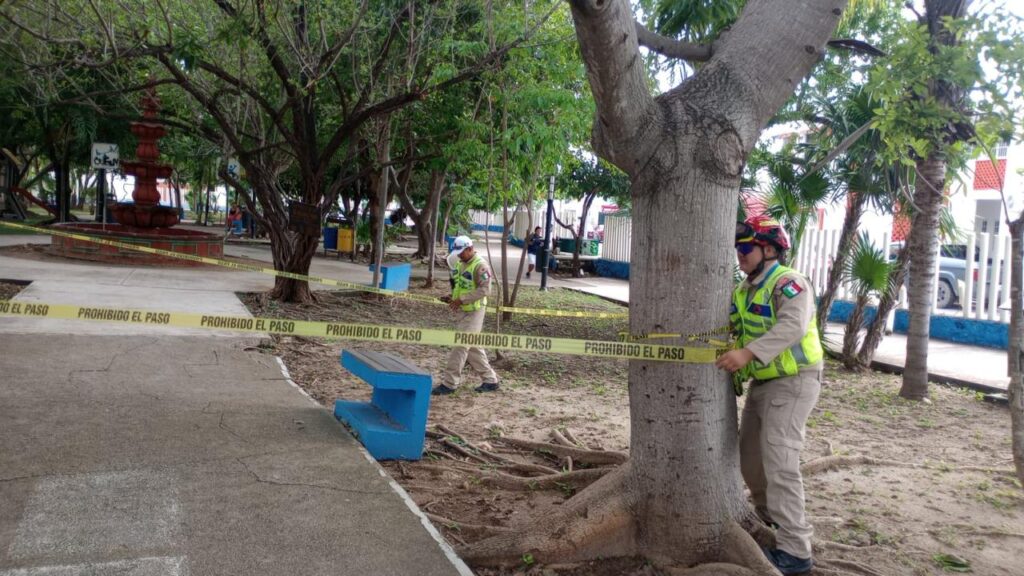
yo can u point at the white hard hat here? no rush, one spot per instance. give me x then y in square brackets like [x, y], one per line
[460, 244]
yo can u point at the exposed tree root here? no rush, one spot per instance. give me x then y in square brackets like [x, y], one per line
[820, 571]
[836, 462]
[470, 530]
[828, 545]
[569, 436]
[762, 535]
[579, 455]
[975, 532]
[848, 565]
[575, 480]
[474, 452]
[713, 569]
[459, 449]
[826, 520]
[562, 440]
[596, 523]
[738, 547]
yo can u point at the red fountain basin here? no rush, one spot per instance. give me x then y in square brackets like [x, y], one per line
[135, 215]
[171, 239]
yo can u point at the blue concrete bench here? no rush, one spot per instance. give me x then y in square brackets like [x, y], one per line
[392, 424]
[394, 276]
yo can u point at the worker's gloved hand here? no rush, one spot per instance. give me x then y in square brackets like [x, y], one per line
[733, 360]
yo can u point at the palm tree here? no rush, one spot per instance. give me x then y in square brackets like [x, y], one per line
[948, 231]
[868, 271]
[848, 132]
[793, 191]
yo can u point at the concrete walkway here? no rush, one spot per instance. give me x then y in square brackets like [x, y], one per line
[141, 451]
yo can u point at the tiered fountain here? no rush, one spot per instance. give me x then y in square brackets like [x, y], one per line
[143, 221]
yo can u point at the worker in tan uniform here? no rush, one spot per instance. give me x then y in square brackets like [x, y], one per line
[469, 301]
[778, 350]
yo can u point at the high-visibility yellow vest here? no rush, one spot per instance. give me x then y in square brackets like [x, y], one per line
[465, 282]
[752, 317]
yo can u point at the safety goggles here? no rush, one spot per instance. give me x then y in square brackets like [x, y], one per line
[745, 248]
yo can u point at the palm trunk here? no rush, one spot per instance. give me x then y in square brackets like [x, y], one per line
[835, 274]
[923, 244]
[852, 334]
[1015, 351]
[876, 328]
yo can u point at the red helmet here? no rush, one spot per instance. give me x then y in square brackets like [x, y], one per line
[762, 230]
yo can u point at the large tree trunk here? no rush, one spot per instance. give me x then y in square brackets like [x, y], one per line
[1015, 351]
[680, 496]
[923, 244]
[292, 253]
[835, 274]
[876, 328]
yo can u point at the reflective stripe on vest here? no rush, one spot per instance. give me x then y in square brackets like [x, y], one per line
[752, 317]
[465, 282]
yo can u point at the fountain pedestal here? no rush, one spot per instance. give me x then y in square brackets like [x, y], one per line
[143, 221]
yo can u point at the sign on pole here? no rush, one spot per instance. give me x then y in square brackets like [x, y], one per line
[304, 218]
[105, 156]
[234, 170]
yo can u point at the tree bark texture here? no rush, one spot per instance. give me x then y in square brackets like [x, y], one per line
[852, 333]
[928, 199]
[684, 152]
[835, 274]
[923, 245]
[1015, 351]
[424, 218]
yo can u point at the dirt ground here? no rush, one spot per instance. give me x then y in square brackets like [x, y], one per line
[939, 490]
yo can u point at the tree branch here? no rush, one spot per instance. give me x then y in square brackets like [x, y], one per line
[671, 47]
[856, 46]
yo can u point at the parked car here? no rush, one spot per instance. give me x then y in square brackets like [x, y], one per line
[952, 273]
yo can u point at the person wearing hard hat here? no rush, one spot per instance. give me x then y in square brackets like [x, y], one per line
[779, 351]
[469, 302]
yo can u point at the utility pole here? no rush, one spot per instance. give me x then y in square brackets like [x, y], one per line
[545, 250]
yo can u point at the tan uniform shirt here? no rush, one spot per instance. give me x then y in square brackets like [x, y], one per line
[482, 279]
[792, 315]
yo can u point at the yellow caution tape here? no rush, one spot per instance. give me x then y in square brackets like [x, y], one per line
[705, 337]
[372, 332]
[563, 313]
[304, 277]
[225, 263]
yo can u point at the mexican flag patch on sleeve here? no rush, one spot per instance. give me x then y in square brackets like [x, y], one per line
[790, 289]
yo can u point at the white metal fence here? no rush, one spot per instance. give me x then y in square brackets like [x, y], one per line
[982, 287]
[978, 295]
[618, 234]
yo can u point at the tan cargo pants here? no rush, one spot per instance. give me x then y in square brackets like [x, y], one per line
[452, 377]
[771, 437]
